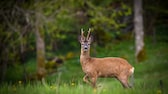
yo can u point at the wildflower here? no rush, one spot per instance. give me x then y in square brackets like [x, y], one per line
[52, 87]
[72, 84]
[20, 82]
[159, 92]
[14, 88]
[94, 90]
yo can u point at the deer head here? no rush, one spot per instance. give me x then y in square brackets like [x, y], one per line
[85, 41]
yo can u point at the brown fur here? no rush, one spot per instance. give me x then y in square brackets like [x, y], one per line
[103, 67]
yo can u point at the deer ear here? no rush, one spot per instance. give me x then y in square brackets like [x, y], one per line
[90, 39]
[80, 38]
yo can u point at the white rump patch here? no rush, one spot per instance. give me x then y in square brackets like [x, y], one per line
[132, 70]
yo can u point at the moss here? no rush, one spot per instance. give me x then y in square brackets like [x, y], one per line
[141, 56]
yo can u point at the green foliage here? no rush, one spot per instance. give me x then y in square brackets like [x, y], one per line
[109, 20]
[14, 75]
[68, 79]
[60, 22]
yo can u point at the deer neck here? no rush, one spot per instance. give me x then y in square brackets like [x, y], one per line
[85, 56]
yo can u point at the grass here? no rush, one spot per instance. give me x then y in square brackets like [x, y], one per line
[150, 75]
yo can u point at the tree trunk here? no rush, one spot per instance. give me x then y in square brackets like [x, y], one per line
[40, 49]
[3, 68]
[139, 33]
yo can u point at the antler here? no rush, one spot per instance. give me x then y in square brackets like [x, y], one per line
[82, 34]
[88, 35]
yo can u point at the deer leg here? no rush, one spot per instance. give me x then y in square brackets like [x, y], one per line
[124, 81]
[86, 79]
[93, 81]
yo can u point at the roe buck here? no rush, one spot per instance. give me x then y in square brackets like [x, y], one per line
[103, 67]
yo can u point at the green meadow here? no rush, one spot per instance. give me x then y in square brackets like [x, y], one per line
[150, 76]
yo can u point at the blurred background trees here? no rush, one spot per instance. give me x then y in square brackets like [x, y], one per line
[46, 28]
[139, 31]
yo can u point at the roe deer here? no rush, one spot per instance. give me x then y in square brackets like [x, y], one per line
[103, 67]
